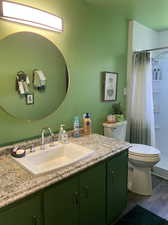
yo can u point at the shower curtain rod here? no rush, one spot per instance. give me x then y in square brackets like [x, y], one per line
[153, 49]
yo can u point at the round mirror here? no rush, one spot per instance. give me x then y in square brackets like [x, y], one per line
[28, 52]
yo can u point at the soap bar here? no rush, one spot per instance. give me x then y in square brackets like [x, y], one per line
[20, 151]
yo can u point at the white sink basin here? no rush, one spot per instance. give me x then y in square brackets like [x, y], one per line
[55, 157]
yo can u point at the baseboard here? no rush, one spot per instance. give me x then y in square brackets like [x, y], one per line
[160, 172]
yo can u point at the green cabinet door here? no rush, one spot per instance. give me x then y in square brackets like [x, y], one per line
[61, 203]
[92, 195]
[25, 212]
[117, 170]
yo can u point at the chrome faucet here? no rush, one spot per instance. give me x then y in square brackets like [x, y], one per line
[43, 136]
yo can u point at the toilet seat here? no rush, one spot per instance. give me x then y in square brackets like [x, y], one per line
[144, 151]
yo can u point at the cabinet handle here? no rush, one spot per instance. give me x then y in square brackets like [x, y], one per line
[76, 199]
[112, 173]
[86, 191]
[35, 220]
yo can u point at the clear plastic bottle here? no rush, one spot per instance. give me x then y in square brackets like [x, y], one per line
[65, 137]
[76, 127]
[61, 133]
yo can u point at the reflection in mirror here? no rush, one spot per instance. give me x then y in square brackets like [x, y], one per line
[26, 51]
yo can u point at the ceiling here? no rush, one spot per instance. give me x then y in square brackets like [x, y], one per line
[152, 13]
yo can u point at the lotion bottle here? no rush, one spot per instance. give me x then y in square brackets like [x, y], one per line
[87, 124]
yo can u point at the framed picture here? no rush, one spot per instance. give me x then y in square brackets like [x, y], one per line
[29, 99]
[110, 86]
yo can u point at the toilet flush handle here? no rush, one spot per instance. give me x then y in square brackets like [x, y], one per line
[114, 128]
[112, 172]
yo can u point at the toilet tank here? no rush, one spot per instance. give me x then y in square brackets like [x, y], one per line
[116, 130]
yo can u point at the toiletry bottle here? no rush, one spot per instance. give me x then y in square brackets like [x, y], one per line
[76, 127]
[61, 133]
[65, 137]
[159, 74]
[87, 123]
[155, 74]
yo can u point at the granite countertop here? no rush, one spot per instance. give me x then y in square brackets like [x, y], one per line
[16, 182]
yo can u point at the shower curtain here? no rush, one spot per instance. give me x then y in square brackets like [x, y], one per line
[141, 113]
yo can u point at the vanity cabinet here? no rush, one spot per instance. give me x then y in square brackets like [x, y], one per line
[25, 212]
[61, 203]
[92, 195]
[117, 170]
[77, 200]
[95, 196]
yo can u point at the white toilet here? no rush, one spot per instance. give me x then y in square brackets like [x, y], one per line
[141, 159]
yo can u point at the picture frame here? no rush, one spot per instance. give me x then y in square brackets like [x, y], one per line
[110, 86]
[30, 99]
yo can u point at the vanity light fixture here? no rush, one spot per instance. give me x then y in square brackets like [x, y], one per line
[31, 16]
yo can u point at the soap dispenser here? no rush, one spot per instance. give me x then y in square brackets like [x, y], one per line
[62, 136]
[61, 132]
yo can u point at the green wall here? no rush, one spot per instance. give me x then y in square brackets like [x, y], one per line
[94, 40]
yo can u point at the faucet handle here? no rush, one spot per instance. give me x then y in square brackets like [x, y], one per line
[31, 147]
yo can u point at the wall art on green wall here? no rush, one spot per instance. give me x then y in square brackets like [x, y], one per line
[110, 86]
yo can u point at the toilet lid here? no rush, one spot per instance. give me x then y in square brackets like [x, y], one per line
[143, 150]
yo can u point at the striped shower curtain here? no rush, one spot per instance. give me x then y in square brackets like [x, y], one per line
[141, 113]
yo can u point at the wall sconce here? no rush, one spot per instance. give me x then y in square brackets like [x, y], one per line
[31, 16]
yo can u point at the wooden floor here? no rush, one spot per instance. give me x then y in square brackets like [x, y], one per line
[157, 203]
